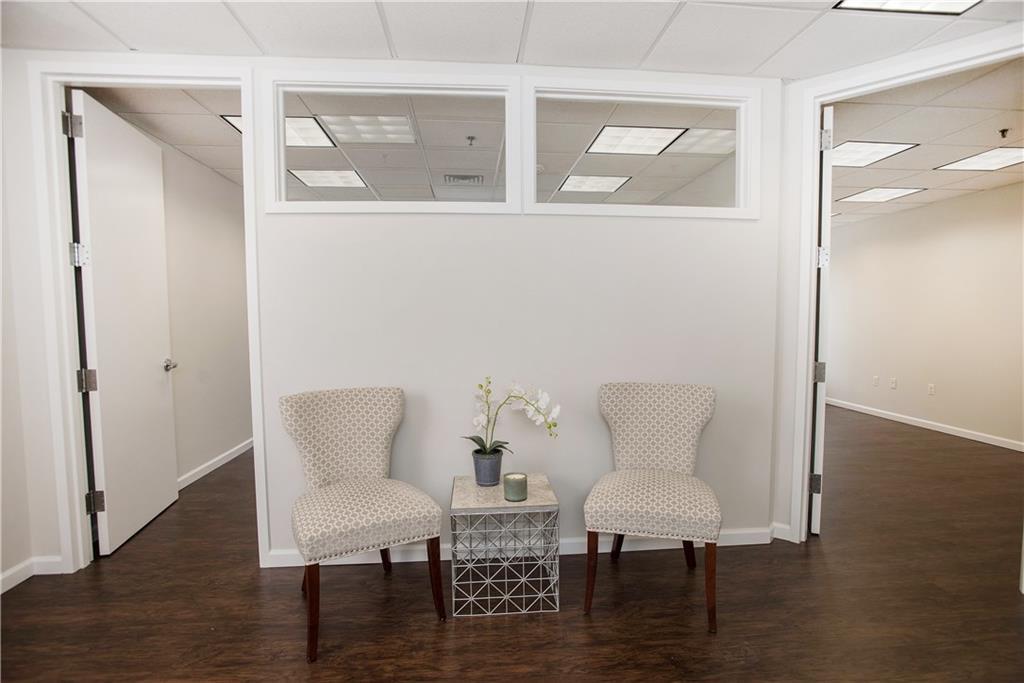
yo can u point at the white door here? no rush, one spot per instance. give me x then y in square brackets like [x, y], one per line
[120, 197]
[821, 335]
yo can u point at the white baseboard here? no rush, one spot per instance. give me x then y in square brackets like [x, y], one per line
[575, 545]
[928, 424]
[209, 466]
[785, 532]
[42, 564]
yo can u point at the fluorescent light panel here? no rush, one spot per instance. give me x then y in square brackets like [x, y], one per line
[304, 131]
[705, 141]
[634, 140]
[328, 178]
[992, 160]
[881, 194]
[956, 7]
[235, 121]
[592, 183]
[371, 129]
[860, 154]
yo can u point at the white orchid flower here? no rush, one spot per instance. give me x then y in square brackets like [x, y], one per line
[542, 399]
[530, 412]
[554, 412]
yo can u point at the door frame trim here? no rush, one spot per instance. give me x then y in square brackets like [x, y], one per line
[46, 83]
[804, 100]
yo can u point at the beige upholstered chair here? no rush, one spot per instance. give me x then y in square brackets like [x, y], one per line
[652, 492]
[351, 506]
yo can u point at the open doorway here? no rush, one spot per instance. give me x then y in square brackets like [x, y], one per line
[158, 250]
[921, 417]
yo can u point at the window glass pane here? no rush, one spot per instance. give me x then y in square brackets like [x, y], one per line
[355, 147]
[618, 152]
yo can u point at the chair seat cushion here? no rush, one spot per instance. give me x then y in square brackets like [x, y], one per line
[359, 514]
[656, 503]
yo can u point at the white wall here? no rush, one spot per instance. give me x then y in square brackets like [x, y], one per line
[209, 335]
[933, 296]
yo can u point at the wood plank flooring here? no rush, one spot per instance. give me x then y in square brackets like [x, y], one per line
[914, 578]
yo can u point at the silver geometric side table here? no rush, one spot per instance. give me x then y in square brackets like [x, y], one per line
[504, 555]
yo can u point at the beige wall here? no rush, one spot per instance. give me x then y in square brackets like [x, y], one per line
[209, 335]
[933, 296]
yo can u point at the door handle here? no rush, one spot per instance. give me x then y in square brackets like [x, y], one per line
[169, 364]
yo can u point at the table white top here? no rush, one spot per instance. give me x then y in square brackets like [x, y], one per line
[468, 498]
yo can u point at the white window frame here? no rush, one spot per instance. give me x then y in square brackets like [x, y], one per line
[746, 101]
[271, 105]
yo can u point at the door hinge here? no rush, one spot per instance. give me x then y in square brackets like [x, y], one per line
[86, 380]
[95, 501]
[819, 371]
[824, 257]
[80, 255]
[815, 483]
[71, 124]
[825, 140]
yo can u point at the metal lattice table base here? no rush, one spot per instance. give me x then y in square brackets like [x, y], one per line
[504, 563]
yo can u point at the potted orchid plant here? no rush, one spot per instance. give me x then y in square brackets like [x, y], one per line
[488, 451]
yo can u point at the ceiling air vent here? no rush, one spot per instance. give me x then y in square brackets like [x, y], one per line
[463, 179]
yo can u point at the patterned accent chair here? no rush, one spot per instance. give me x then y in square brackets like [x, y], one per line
[351, 506]
[652, 492]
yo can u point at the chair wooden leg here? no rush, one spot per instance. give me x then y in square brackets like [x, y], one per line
[591, 570]
[617, 546]
[303, 582]
[710, 551]
[312, 583]
[691, 557]
[434, 560]
[385, 559]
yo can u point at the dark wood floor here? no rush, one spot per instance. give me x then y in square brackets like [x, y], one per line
[914, 578]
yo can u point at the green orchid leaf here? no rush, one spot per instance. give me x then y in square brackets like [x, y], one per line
[478, 440]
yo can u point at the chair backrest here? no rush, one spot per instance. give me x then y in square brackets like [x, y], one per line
[656, 426]
[343, 433]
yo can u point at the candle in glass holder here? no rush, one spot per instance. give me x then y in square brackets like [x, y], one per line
[515, 487]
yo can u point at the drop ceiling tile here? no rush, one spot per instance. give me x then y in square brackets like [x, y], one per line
[555, 163]
[316, 159]
[187, 129]
[929, 196]
[438, 107]
[565, 137]
[385, 156]
[464, 194]
[987, 132]
[351, 30]
[998, 10]
[202, 28]
[840, 192]
[405, 193]
[846, 219]
[217, 101]
[961, 28]
[595, 34]
[294, 106]
[633, 197]
[1002, 88]
[985, 181]
[923, 92]
[231, 174]
[658, 115]
[928, 123]
[870, 177]
[325, 104]
[482, 160]
[579, 197]
[720, 118]
[437, 177]
[53, 26]
[839, 40]
[147, 100]
[488, 134]
[681, 165]
[456, 31]
[217, 157]
[884, 208]
[694, 195]
[851, 120]
[725, 39]
[933, 179]
[549, 181]
[927, 157]
[612, 164]
[296, 191]
[553, 110]
[659, 183]
[395, 178]
[345, 194]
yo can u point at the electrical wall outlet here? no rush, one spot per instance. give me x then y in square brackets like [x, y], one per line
[892, 382]
[931, 389]
[874, 381]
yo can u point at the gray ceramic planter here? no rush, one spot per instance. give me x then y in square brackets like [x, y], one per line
[487, 468]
